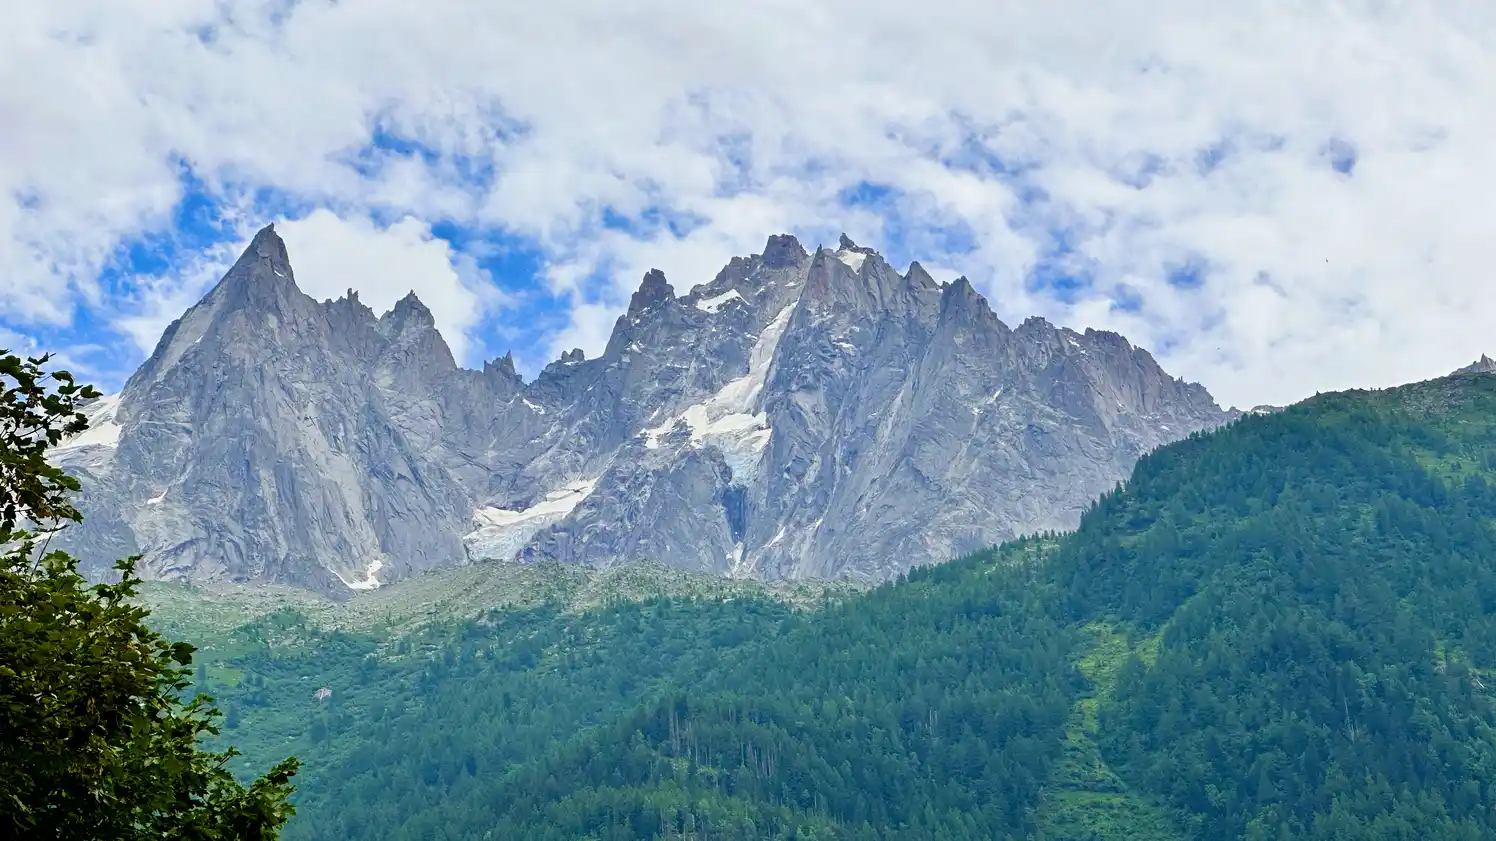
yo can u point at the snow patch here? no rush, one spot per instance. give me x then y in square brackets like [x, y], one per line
[502, 532]
[539, 410]
[157, 499]
[732, 419]
[278, 273]
[368, 582]
[853, 259]
[717, 302]
[736, 559]
[102, 431]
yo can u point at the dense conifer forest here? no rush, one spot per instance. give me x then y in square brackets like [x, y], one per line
[1284, 629]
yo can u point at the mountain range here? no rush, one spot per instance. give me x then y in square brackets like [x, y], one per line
[800, 415]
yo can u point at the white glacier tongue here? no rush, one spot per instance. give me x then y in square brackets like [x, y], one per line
[732, 420]
[102, 430]
[502, 532]
[96, 448]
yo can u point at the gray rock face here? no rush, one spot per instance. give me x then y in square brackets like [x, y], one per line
[273, 437]
[800, 415]
[1483, 365]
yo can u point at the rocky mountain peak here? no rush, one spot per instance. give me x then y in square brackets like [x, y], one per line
[918, 278]
[263, 270]
[960, 301]
[1483, 365]
[854, 256]
[268, 245]
[845, 243]
[783, 251]
[1037, 328]
[259, 288]
[349, 311]
[261, 275]
[653, 291]
[858, 282]
[960, 289]
[409, 312]
[502, 367]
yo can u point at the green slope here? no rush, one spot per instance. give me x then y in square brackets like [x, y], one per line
[1302, 572]
[1280, 630]
[1087, 800]
[429, 692]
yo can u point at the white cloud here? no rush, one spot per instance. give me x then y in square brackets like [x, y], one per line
[155, 301]
[331, 255]
[752, 117]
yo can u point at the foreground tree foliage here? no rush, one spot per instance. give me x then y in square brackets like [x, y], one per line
[97, 738]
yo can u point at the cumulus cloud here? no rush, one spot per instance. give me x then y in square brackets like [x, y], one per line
[331, 255]
[1276, 198]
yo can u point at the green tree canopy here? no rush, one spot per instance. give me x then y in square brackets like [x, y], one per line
[97, 737]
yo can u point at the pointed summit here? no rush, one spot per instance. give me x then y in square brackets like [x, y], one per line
[259, 284]
[264, 262]
[845, 244]
[502, 367]
[918, 278]
[409, 311]
[960, 292]
[268, 244]
[783, 250]
[851, 254]
[1483, 365]
[652, 291]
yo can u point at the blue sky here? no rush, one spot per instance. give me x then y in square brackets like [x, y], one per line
[1276, 200]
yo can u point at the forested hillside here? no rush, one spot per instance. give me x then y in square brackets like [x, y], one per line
[1280, 630]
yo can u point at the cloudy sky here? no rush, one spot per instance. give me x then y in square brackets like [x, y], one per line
[1277, 198]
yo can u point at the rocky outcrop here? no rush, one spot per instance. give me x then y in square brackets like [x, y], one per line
[1483, 365]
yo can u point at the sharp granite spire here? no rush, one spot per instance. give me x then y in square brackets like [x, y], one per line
[653, 291]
